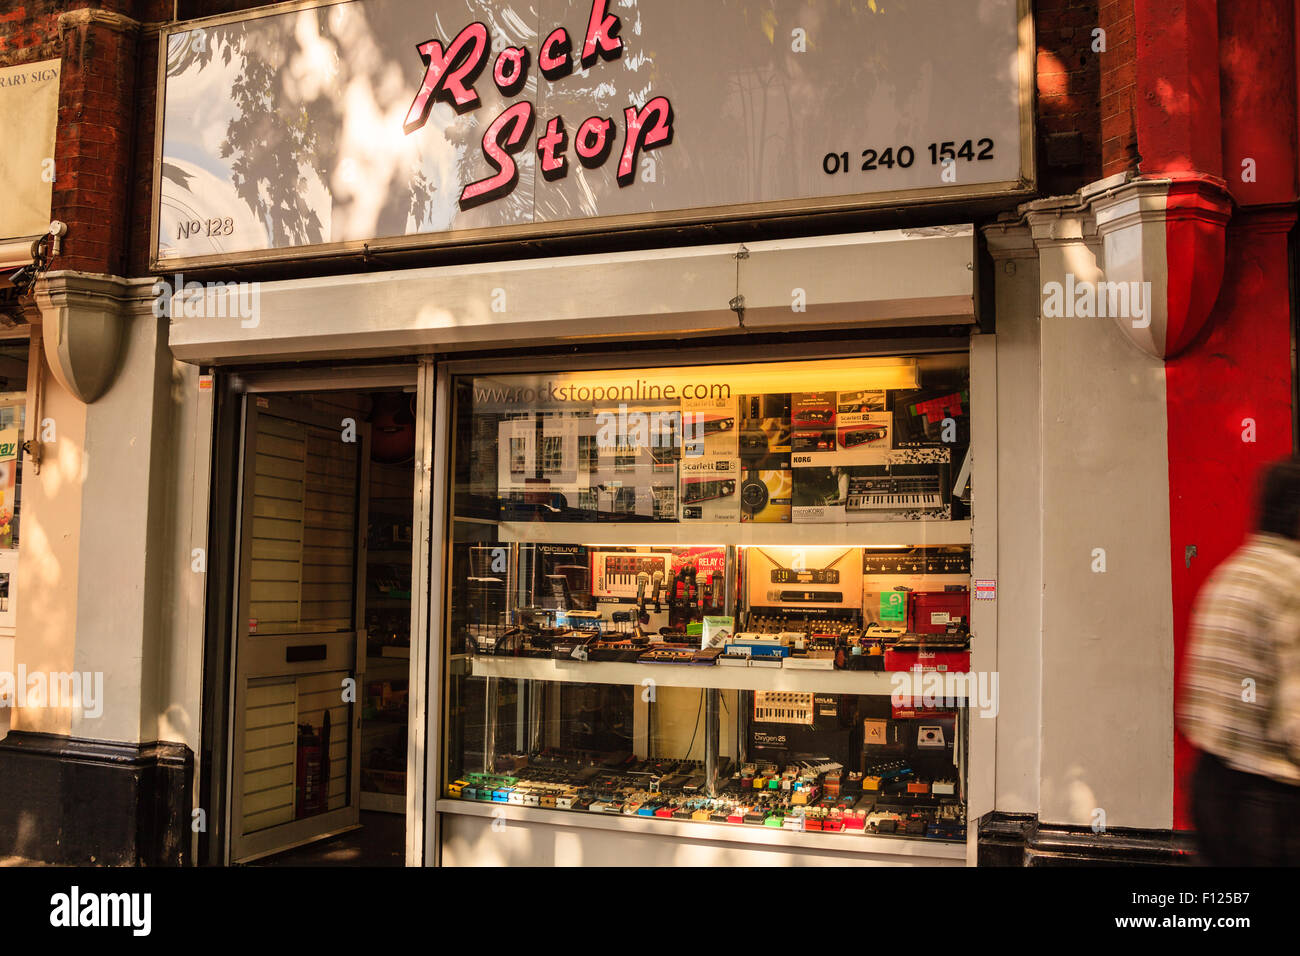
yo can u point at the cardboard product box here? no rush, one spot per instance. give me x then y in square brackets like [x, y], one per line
[709, 489]
[717, 631]
[764, 438]
[862, 431]
[804, 440]
[919, 417]
[819, 495]
[885, 609]
[857, 438]
[812, 578]
[931, 612]
[862, 401]
[906, 658]
[898, 493]
[766, 495]
[813, 410]
[710, 428]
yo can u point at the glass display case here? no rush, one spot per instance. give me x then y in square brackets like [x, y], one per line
[709, 594]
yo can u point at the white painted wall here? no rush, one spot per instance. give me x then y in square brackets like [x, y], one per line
[1107, 652]
[1019, 533]
[108, 526]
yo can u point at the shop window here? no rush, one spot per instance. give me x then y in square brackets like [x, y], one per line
[694, 609]
[13, 406]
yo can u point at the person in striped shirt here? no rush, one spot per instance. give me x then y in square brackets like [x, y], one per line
[1240, 704]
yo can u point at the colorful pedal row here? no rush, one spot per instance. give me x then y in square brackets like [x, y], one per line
[801, 810]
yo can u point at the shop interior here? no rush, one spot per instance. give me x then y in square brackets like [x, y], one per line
[321, 698]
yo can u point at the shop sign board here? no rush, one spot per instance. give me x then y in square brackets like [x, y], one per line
[29, 101]
[316, 127]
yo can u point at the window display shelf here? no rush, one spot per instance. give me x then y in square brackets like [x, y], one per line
[845, 841]
[787, 515]
[877, 683]
[877, 534]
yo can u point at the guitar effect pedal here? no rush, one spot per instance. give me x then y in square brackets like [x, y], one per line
[930, 737]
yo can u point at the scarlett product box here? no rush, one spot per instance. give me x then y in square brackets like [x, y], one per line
[710, 489]
[865, 431]
[812, 421]
[856, 438]
[710, 428]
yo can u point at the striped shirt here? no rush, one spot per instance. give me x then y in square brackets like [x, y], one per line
[1241, 686]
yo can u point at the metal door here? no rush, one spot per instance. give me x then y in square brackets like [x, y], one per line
[299, 631]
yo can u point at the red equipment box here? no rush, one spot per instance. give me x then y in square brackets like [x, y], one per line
[930, 612]
[906, 657]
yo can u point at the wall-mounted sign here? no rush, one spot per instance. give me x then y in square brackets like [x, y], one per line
[29, 102]
[411, 122]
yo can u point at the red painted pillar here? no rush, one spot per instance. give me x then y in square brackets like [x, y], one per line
[1229, 391]
[1229, 406]
[1257, 43]
[1176, 109]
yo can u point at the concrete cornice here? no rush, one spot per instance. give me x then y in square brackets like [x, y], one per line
[88, 16]
[1010, 239]
[82, 315]
[1062, 222]
[1147, 200]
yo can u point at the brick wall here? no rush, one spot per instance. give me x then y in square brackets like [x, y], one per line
[142, 149]
[29, 31]
[92, 149]
[1069, 73]
[1119, 151]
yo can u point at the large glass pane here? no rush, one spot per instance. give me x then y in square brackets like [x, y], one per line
[684, 593]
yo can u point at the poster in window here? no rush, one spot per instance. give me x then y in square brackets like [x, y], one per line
[8, 484]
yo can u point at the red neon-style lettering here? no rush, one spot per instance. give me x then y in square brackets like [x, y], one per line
[641, 134]
[510, 72]
[550, 150]
[519, 119]
[593, 141]
[555, 57]
[449, 75]
[602, 34]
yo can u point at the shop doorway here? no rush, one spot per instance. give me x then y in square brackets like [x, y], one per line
[319, 715]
